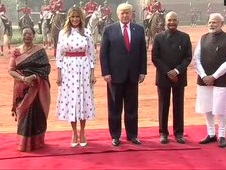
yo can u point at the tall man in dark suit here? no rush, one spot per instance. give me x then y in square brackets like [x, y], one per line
[123, 58]
[171, 54]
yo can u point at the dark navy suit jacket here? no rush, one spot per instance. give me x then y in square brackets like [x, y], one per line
[116, 60]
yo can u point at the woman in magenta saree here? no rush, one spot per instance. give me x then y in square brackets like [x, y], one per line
[30, 68]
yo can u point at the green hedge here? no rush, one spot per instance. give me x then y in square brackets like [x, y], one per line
[17, 37]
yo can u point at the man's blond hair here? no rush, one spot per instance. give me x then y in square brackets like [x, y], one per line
[124, 6]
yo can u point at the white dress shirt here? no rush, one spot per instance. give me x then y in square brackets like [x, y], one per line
[128, 29]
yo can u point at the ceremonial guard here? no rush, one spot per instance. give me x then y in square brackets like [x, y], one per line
[46, 13]
[90, 7]
[57, 5]
[2, 8]
[106, 11]
[2, 14]
[152, 7]
[27, 12]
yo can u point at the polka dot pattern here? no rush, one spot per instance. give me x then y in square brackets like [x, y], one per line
[75, 96]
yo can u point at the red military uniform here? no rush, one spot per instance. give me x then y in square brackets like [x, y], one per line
[151, 8]
[45, 10]
[106, 12]
[2, 9]
[57, 5]
[155, 7]
[2, 12]
[26, 10]
[46, 13]
[90, 7]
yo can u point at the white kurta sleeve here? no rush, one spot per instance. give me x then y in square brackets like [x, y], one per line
[197, 59]
[90, 49]
[199, 69]
[59, 51]
[220, 71]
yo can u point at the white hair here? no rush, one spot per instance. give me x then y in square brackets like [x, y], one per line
[171, 13]
[217, 16]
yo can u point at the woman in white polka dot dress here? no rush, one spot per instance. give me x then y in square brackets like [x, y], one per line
[75, 61]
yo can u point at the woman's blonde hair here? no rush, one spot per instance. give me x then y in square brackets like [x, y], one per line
[67, 26]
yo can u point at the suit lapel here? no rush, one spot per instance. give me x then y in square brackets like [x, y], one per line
[133, 34]
[119, 29]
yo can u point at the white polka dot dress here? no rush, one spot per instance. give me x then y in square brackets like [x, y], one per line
[75, 96]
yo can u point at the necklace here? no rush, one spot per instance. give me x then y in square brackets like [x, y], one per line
[27, 48]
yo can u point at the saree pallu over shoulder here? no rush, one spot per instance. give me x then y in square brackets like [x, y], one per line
[34, 62]
[31, 103]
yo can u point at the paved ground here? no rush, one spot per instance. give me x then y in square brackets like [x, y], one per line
[147, 100]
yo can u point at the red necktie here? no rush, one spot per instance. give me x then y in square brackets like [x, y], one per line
[126, 38]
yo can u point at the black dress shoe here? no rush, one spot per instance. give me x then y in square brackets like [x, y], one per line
[164, 139]
[208, 139]
[136, 141]
[115, 142]
[221, 142]
[180, 139]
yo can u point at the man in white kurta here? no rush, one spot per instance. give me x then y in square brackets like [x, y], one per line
[210, 65]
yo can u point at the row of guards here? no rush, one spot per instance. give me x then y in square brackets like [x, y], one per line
[49, 10]
[50, 7]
